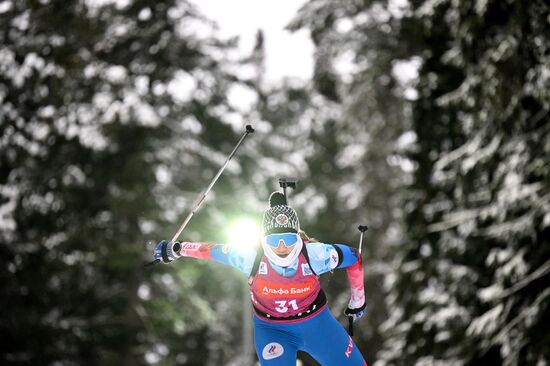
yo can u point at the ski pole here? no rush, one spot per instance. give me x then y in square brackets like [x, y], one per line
[287, 182]
[202, 196]
[362, 229]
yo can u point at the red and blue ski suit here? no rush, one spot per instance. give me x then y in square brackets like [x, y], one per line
[290, 308]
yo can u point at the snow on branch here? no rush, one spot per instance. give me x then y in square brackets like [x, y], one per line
[538, 273]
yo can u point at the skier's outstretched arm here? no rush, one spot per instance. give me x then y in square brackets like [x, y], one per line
[241, 258]
[327, 257]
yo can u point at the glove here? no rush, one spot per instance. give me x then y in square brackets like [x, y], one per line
[167, 252]
[356, 313]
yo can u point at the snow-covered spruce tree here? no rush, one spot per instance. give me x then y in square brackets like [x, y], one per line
[472, 286]
[100, 104]
[357, 120]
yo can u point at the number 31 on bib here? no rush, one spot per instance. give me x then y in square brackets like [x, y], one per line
[282, 305]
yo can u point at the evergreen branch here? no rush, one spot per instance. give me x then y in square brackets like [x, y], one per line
[502, 335]
[541, 271]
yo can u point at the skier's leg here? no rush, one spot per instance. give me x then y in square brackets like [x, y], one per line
[329, 343]
[274, 347]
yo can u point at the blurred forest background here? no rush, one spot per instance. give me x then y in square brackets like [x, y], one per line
[115, 115]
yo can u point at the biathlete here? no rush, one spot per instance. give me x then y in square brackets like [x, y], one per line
[290, 308]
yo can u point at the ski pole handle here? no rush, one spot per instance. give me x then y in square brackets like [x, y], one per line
[362, 229]
[350, 326]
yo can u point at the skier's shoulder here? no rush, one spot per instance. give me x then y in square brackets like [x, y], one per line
[322, 257]
[316, 249]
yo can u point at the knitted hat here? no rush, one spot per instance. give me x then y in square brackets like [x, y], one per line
[280, 218]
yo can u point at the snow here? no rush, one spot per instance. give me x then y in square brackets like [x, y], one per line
[100, 3]
[425, 250]
[102, 100]
[191, 123]
[481, 6]
[406, 74]
[90, 136]
[163, 175]
[469, 148]
[350, 155]
[141, 85]
[457, 272]
[182, 87]
[46, 112]
[241, 71]
[242, 98]
[193, 28]
[497, 256]
[159, 88]
[32, 62]
[490, 293]
[145, 14]
[398, 8]
[406, 71]
[515, 268]
[152, 358]
[350, 195]
[410, 94]
[116, 74]
[144, 291]
[434, 294]
[8, 205]
[546, 220]
[445, 315]
[443, 336]
[73, 176]
[345, 66]
[21, 22]
[481, 154]
[146, 115]
[167, 280]
[38, 131]
[77, 257]
[310, 200]
[432, 361]
[81, 121]
[5, 6]
[54, 240]
[410, 266]
[454, 219]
